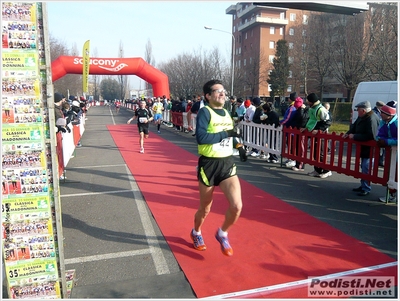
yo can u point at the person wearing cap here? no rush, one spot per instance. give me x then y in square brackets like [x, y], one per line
[365, 128]
[216, 166]
[387, 136]
[300, 121]
[233, 104]
[58, 101]
[318, 121]
[377, 109]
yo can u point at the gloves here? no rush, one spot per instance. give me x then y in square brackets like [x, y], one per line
[232, 133]
[381, 143]
[60, 128]
[242, 152]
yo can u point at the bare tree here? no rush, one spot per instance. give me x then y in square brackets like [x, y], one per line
[254, 73]
[187, 73]
[122, 79]
[149, 58]
[319, 49]
[382, 58]
[350, 47]
[95, 79]
[70, 84]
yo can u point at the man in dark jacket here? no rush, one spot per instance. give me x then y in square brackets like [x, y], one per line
[365, 128]
[272, 118]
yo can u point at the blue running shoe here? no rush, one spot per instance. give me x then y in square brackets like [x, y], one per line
[225, 246]
[198, 241]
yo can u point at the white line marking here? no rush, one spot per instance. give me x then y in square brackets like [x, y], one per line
[301, 282]
[112, 115]
[158, 257]
[95, 193]
[96, 166]
[106, 256]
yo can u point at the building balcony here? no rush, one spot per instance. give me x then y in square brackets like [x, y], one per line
[261, 20]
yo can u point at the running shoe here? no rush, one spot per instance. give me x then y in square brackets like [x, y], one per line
[142, 150]
[198, 241]
[313, 174]
[392, 199]
[225, 246]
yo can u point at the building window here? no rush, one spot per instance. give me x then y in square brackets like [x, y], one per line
[292, 17]
[303, 47]
[245, 36]
[290, 59]
[244, 62]
[234, 28]
[289, 88]
[269, 88]
[269, 71]
[272, 44]
[272, 30]
[305, 19]
[290, 74]
[240, 50]
[271, 58]
[281, 31]
[252, 32]
[302, 89]
[238, 62]
[282, 16]
[304, 32]
[251, 60]
[291, 45]
[291, 31]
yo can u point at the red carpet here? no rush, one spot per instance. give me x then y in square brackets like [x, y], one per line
[273, 242]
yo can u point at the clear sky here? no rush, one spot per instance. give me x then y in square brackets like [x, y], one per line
[172, 27]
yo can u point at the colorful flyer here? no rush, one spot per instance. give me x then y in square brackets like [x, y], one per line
[19, 64]
[37, 279]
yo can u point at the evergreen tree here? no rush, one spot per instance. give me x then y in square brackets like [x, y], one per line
[280, 73]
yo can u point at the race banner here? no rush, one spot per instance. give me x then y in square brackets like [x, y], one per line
[86, 65]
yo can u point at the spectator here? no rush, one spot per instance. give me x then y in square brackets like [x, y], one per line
[365, 128]
[77, 115]
[58, 101]
[318, 121]
[300, 121]
[193, 110]
[288, 121]
[248, 117]
[387, 136]
[240, 109]
[272, 118]
[377, 109]
[257, 119]
[233, 105]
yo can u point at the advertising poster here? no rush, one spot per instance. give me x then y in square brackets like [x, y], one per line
[29, 238]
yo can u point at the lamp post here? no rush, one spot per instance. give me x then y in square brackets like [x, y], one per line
[233, 53]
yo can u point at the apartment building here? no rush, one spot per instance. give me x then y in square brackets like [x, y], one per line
[256, 29]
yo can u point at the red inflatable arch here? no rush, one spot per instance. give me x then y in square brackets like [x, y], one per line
[113, 66]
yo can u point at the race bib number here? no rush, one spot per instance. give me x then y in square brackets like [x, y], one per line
[142, 119]
[225, 144]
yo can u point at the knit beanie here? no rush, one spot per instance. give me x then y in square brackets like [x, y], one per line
[247, 103]
[313, 98]
[388, 110]
[58, 97]
[298, 102]
[256, 101]
[293, 96]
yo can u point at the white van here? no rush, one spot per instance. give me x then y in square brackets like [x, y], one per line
[374, 91]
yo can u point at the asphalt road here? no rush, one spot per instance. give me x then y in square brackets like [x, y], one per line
[116, 247]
